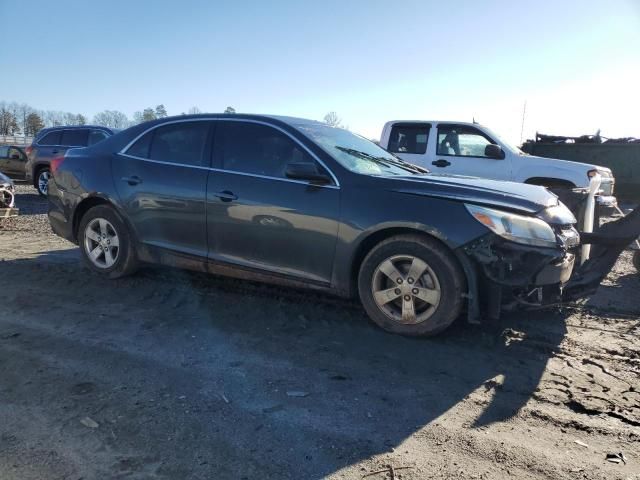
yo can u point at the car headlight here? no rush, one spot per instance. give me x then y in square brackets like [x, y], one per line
[558, 215]
[517, 228]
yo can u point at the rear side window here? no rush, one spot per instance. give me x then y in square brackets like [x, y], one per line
[75, 138]
[4, 152]
[51, 138]
[182, 142]
[409, 138]
[96, 136]
[257, 149]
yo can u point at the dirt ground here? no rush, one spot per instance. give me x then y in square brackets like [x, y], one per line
[175, 375]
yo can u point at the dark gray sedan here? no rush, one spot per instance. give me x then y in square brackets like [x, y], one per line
[296, 202]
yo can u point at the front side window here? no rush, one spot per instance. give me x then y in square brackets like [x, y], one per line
[96, 136]
[462, 141]
[182, 142]
[257, 149]
[51, 138]
[409, 138]
[357, 153]
[75, 138]
[14, 153]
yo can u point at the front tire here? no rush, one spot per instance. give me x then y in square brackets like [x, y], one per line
[106, 243]
[411, 285]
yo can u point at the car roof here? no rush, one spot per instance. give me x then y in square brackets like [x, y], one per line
[293, 121]
[469, 124]
[74, 127]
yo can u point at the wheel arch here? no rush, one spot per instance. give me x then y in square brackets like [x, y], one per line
[370, 240]
[551, 182]
[93, 201]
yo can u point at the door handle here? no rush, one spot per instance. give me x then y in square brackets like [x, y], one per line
[134, 180]
[441, 163]
[226, 196]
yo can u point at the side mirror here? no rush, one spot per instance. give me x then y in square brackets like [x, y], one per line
[494, 151]
[306, 171]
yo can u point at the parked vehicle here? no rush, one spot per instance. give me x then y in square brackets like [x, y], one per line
[7, 197]
[297, 202]
[621, 155]
[471, 149]
[55, 141]
[13, 160]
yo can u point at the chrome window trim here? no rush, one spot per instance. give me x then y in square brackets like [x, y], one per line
[259, 122]
[245, 174]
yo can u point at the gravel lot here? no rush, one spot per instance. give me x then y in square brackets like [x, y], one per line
[175, 375]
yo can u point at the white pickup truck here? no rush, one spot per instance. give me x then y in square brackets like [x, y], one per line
[471, 149]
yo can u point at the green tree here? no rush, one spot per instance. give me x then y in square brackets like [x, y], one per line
[148, 114]
[33, 124]
[161, 112]
[230, 110]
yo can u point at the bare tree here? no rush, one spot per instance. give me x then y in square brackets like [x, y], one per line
[112, 119]
[8, 122]
[332, 119]
[194, 111]
[230, 110]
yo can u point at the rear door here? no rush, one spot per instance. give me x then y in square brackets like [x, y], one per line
[460, 150]
[258, 218]
[161, 180]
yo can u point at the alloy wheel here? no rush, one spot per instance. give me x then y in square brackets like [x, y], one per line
[43, 181]
[101, 243]
[406, 289]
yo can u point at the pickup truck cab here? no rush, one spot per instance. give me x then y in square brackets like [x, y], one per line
[471, 149]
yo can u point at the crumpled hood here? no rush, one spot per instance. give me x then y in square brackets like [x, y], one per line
[479, 191]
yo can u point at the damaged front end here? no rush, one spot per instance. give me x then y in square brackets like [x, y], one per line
[7, 199]
[542, 261]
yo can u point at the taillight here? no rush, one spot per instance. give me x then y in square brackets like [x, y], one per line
[29, 149]
[55, 164]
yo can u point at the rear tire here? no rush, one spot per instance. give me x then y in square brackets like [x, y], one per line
[106, 244]
[411, 285]
[41, 181]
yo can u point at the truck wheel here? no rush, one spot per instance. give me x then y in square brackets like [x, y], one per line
[106, 244]
[411, 285]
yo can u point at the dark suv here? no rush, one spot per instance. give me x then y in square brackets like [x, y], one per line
[54, 142]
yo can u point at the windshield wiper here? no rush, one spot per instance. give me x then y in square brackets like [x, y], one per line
[384, 161]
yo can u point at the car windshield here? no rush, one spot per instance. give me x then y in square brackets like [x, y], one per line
[357, 153]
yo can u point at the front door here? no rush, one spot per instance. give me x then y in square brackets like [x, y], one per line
[260, 219]
[15, 162]
[460, 150]
[161, 180]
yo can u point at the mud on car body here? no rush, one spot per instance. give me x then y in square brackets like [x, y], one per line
[296, 202]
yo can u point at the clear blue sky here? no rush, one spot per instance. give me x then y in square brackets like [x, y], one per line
[577, 63]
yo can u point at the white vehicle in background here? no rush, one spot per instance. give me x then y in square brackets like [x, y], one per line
[471, 149]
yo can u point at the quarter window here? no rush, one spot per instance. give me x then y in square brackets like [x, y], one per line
[51, 138]
[462, 141]
[75, 138]
[406, 138]
[257, 149]
[96, 136]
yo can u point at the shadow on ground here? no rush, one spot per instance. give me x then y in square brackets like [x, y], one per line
[193, 376]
